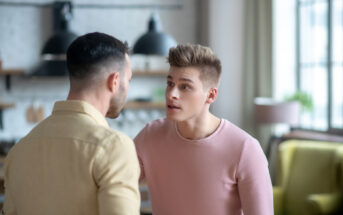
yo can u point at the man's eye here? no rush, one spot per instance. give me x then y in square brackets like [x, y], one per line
[170, 84]
[185, 87]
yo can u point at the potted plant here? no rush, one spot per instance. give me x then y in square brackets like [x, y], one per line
[305, 100]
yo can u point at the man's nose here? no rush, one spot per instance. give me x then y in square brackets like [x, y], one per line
[173, 93]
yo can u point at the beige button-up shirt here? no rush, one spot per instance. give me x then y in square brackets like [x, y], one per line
[72, 163]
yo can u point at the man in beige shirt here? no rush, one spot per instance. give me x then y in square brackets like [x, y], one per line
[72, 162]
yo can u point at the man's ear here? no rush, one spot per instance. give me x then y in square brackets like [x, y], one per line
[113, 81]
[212, 95]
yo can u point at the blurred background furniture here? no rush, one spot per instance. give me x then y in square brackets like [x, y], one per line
[272, 113]
[2, 176]
[145, 199]
[309, 178]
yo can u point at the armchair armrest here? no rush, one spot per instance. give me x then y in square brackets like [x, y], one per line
[278, 200]
[325, 203]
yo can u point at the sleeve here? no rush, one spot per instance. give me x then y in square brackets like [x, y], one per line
[254, 183]
[139, 141]
[8, 207]
[116, 172]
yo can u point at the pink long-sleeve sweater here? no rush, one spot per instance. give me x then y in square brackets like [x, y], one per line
[225, 173]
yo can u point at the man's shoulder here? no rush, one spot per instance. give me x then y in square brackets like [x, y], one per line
[107, 136]
[232, 128]
[78, 132]
[155, 130]
[238, 141]
[156, 126]
[235, 133]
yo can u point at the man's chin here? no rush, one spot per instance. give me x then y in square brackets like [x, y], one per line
[173, 118]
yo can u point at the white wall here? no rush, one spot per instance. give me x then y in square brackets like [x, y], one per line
[23, 31]
[226, 34]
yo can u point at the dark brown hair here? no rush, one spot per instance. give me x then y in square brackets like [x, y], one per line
[192, 55]
[94, 49]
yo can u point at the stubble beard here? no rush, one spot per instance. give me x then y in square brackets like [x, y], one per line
[116, 104]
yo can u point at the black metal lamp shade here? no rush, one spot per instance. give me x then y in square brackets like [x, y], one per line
[58, 43]
[54, 55]
[54, 51]
[154, 42]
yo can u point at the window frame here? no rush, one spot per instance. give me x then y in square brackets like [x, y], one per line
[328, 65]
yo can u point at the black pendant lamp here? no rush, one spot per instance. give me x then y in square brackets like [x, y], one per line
[154, 42]
[55, 49]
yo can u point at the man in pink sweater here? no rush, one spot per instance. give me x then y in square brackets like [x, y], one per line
[194, 162]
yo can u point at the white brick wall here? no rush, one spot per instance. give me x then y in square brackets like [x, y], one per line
[23, 31]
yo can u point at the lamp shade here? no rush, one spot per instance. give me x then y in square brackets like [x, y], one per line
[54, 51]
[58, 43]
[154, 42]
[269, 111]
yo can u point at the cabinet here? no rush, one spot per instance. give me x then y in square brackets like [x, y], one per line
[142, 104]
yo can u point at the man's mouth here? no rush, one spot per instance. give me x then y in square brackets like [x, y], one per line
[173, 107]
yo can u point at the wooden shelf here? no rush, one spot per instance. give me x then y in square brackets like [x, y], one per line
[6, 105]
[150, 73]
[12, 72]
[8, 72]
[144, 105]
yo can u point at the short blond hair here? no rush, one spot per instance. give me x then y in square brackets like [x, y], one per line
[194, 55]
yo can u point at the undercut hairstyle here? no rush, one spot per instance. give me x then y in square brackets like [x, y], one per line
[192, 55]
[88, 54]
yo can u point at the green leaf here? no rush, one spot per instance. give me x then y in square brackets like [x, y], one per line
[304, 98]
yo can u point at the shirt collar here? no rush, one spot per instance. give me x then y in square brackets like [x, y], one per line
[81, 107]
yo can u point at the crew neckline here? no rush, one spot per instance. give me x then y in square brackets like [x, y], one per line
[202, 140]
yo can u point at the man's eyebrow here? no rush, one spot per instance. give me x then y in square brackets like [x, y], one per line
[181, 79]
[186, 79]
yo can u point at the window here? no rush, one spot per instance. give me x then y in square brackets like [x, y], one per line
[318, 58]
[320, 62]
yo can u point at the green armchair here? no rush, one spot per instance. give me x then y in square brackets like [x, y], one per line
[309, 178]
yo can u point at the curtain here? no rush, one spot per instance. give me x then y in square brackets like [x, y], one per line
[257, 77]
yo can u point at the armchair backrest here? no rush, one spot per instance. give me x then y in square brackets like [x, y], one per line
[339, 167]
[307, 167]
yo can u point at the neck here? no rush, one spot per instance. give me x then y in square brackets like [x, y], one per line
[199, 128]
[95, 98]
